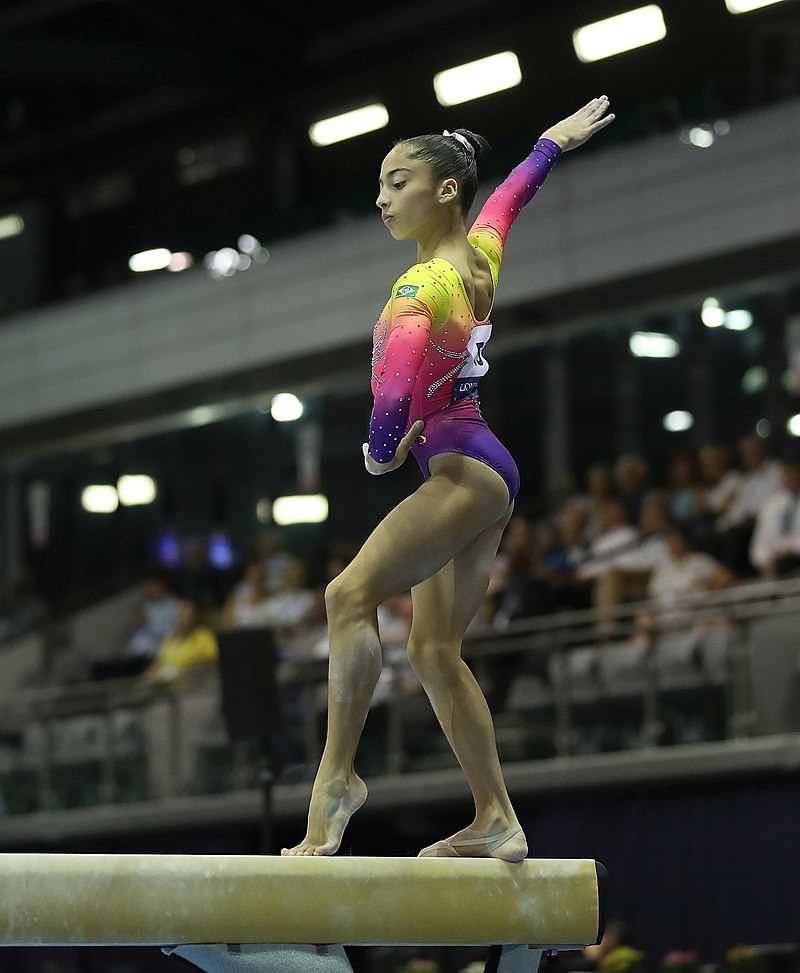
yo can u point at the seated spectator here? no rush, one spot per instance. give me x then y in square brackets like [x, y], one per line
[246, 606]
[292, 604]
[683, 482]
[630, 478]
[720, 481]
[191, 644]
[760, 480]
[627, 577]
[156, 618]
[271, 552]
[198, 580]
[775, 545]
[599, 487]
[555, 571]
[680, 582]
[617, 535]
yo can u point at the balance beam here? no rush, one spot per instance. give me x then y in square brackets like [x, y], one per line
[174, 900]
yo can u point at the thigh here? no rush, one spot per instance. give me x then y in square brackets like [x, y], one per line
[428, 529]
[445, 604]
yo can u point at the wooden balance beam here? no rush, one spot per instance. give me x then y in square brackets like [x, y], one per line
[268, 905]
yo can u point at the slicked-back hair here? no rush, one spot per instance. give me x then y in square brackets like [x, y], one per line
[449, 158]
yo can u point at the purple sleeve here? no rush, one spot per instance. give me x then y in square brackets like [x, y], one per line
[395, 377]
[517, 190]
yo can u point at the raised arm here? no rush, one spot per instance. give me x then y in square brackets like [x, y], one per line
[490, 229]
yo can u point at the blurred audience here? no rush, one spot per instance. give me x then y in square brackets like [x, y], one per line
[191, 644]
[156, 618]
[627, 577]
[271, 552]
[775, 545]
[679, 583]
[761, 478]
[684, 484]
[616, 535]
[631, 474]
[198, 580]
[246, 606]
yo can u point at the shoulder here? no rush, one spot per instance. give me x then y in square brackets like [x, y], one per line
[426, 287]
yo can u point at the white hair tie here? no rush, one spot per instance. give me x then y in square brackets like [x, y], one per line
[464, 141]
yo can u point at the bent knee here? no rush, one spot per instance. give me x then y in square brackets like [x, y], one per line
[346, 595]
[433, 655]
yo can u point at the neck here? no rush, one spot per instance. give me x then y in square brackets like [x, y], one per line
[449, 234]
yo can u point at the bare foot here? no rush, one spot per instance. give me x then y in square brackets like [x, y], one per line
[506, 843]
[332, 805]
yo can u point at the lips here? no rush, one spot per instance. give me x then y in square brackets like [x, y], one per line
[387, 218]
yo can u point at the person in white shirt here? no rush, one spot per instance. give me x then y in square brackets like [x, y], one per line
[680, 582]
[761, 479]
[626, 577]
[775, 546]
[616, 534]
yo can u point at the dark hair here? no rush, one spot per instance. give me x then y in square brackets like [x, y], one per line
[449, 158]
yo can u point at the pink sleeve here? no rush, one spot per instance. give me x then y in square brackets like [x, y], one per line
[394, 377]
[517, 190]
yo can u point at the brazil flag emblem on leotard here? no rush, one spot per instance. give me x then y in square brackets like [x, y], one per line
[407, 290]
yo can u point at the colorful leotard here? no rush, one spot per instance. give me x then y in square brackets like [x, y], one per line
[428, 345]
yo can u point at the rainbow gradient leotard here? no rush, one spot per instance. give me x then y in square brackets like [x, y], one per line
[428, 346]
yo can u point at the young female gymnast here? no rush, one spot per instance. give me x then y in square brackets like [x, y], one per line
[441, 541]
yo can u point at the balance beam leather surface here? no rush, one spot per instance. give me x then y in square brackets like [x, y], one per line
[76, 899]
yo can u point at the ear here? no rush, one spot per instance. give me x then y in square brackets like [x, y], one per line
[448, 190]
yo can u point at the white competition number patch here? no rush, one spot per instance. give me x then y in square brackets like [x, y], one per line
[476, 366]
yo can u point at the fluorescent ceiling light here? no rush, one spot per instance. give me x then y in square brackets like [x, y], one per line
[286, 407]
[11, 225]
[745, 6]
[477, 79]
[349, 125]
[678, 421]
[738, 320]
[649, 344]
[100, 498]
[621, 33]
[793, 426]
[712, 315]
[156, 259]
[304, 509]
[135, 490]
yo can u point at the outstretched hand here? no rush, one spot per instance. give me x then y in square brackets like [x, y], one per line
[403, 447]
[580, 127]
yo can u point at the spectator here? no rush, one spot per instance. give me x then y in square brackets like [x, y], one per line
[616, 535]
[775, 545]
[684, 577]
[627, 577]
[683, 477]
[292, 604]
[197, 580]
[191, 644]
[556, 569]
[720, 481]
[246, 606]
[599, 487]
[156, 618]
[761, 479]
[630, 479]
[271, 552]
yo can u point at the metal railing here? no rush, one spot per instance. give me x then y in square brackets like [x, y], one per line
[141, 740]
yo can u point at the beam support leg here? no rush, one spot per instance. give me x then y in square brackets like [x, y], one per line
[266, 958]
[514, 959]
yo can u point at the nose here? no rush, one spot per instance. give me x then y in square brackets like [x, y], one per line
[381, 201]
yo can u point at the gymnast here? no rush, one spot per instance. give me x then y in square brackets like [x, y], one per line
[440, 542]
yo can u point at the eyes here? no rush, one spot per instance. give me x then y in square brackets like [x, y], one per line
[399, 185]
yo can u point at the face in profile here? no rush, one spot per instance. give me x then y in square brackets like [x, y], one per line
[407, 195]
